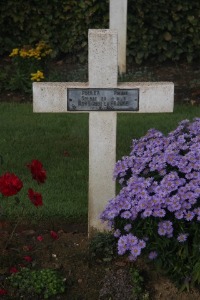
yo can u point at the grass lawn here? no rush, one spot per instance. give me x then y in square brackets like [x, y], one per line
[60, 141]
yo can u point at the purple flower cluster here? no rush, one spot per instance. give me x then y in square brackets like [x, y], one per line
[132, 244]
[160, 179]
[165, 228]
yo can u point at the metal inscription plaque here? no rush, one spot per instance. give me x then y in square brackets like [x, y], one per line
[94, 99]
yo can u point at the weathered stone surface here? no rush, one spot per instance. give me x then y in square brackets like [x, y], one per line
[153, 96]
[118, 21]
[102, 58]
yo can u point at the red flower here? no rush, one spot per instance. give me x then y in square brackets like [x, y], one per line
[54, 235]
[37, 171]
[28, 258]
[40, 238]
[36, 198]
[13, 270]
[66, 153]
[10, 184]
[3, 292]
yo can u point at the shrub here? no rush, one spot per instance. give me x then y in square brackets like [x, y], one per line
[64, 24]
[102, 246]
[157, 211]
[29, 64]
[163, 30]
[45, 282]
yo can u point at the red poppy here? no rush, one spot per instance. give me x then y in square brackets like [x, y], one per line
[10, 184]
[28, 258]
[36, 198]
[54, 235]
[37, 171]
[40, 238]
[13, 270]
[3, 292]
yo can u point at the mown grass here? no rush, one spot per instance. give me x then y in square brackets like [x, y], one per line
[60, 141]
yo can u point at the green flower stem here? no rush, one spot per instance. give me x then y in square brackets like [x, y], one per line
[14, 229]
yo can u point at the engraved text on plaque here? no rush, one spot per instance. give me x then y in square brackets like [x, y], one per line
[94, 99]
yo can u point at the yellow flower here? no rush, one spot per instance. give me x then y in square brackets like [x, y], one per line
[41, 50]
[14, 52]
[37, 76]
[23, 53]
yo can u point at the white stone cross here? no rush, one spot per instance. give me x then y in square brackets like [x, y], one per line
[118, 21]
[57, 97]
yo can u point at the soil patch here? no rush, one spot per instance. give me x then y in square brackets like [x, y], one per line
[69, 254]
[186, 78]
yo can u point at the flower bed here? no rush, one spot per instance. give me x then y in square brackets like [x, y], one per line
[157, 211]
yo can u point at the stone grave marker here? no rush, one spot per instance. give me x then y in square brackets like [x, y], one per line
[118, 21]
[102, 97]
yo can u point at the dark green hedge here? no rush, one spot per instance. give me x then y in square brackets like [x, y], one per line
[164, 29]
[62, 23]
[160, 29]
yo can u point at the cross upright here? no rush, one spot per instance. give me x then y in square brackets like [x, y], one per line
[118, 21]
[102, 97]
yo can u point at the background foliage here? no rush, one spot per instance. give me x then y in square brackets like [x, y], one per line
[165, 29]
[63, 24]
[161, 29]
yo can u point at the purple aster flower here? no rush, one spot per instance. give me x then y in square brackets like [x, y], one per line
[132, 239]
[134, 213]
[117, 233]
[141, 244]
[142, 204]
[126, 214]
[153, 255]
[127, 227]
[167, 224]
[197, 212]
[189, 215]
[186, 205]
[159, 213]
[122, 245]
[184, 122]
[165, 228]
[162, 231]
[136, 250]
[147, 213]
[126, 205]
[179, 214]
[182, 237]
[112, 214]
[162, 172]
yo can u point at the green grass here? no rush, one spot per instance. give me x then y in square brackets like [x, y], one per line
[26, 136]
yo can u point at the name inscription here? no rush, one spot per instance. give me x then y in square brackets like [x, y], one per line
[93, 99]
